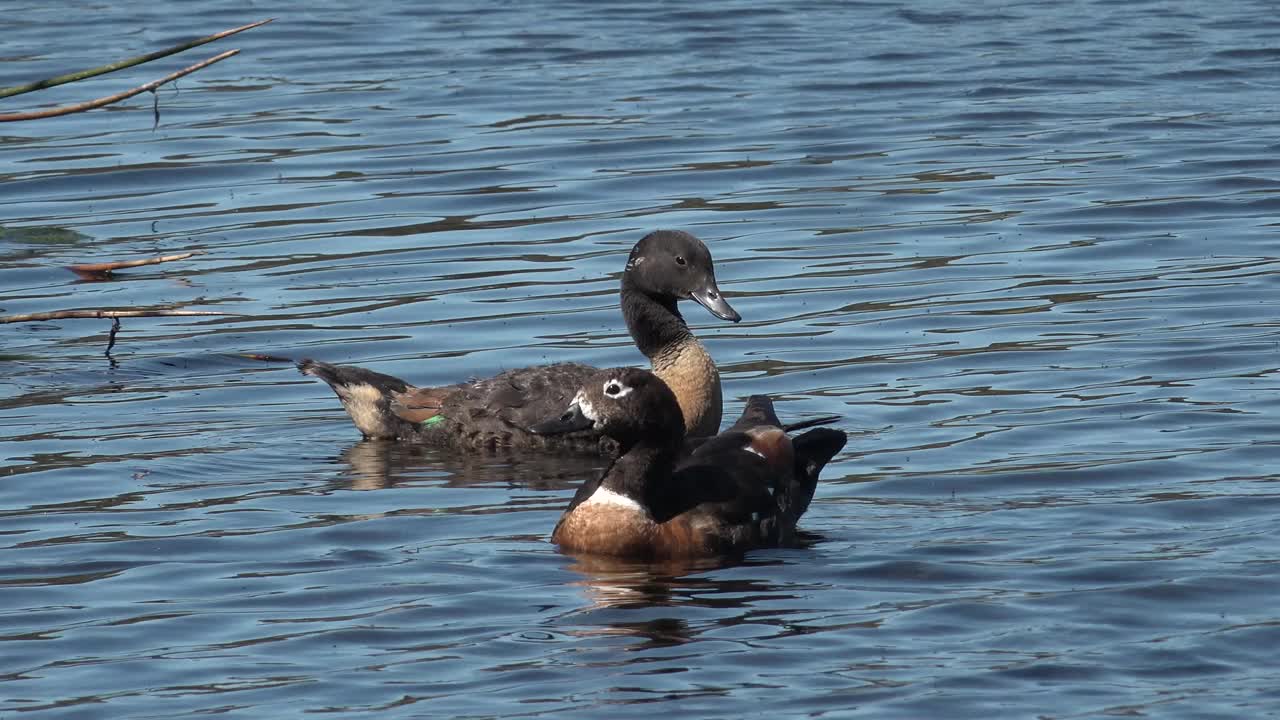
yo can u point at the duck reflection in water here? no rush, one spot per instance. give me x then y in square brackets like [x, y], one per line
[644, 588]
[378, 464]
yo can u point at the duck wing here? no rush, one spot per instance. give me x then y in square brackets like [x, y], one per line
[418, 405]
[762, 462]
[517, 398]
[730, 487]
[497, 412]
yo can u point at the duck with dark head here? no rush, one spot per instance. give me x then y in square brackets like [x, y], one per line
[741, 489]
[664, 267]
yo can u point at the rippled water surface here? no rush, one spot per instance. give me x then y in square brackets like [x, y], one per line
[1028, 252]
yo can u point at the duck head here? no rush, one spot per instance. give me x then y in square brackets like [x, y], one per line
[674, 264]
[629, 405]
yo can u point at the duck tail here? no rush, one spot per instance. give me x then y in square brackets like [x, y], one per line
[366, 395]
[811, 422]
[812, 450]
[759, 411]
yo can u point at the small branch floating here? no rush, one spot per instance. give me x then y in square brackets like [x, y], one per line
[104, 270]
[113, 315]
[112, 67]
[104, 314]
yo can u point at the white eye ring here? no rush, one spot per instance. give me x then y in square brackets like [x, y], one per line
[615, 389]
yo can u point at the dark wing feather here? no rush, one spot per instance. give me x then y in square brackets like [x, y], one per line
[497, 412]
[732, 486]
[517, 399]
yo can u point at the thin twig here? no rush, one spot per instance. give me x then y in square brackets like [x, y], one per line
[91, 104]
[111, 339]
[263, 357]
[103, 270]
[122, 64]
[100, 314]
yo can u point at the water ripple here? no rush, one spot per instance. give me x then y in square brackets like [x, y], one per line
[1028, 255]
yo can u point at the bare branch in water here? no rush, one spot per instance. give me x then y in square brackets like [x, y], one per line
[103, 314]
[263, 357]
[91, 104]
[113, 315]
[103, 270]
[122, 64]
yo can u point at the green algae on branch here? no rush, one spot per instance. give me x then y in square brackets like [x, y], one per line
[42, 235]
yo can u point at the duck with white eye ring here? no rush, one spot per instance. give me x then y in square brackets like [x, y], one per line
[741, 489]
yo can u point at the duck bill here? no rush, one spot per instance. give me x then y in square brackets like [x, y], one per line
[710, 298]
[571, 420]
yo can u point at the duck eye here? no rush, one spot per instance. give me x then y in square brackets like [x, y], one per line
[680, 260]
[615, 389]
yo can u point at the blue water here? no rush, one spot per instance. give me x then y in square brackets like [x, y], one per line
[1028, 252]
